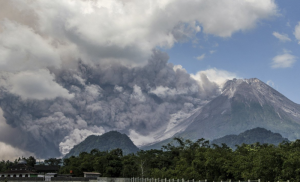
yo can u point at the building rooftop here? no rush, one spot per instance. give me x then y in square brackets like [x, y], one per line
[19, 172]
[91, 173]
[45, 168]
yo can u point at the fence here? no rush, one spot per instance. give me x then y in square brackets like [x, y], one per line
[182, 180]
[108, 179]
[21, 179]
[73, 179]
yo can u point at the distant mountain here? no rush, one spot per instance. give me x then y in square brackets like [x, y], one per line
[106, 142]
[260, 135]
[244, 104]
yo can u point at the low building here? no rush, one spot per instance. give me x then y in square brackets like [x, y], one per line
[43, 169]
[48, 176]
[23, 170]
[20, 170]
[65, 175]
[91, 174]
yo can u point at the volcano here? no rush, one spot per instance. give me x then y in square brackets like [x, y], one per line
[245, 104]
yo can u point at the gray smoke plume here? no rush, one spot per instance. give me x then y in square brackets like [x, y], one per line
[105, 97]
[51, 101]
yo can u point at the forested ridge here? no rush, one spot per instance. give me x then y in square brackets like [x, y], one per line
[107, 141]
[258, 134]
[194, 160]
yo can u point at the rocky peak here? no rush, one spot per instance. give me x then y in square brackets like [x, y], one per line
[254, 90]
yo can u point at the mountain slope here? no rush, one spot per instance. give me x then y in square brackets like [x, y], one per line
[245, 104]
[108, 141]
[260, 135]
[157, 145]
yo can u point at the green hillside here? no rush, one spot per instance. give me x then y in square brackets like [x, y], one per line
[252, 136]
[106, 142]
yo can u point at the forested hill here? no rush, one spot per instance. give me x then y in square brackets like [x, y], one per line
[106, 142]
[252, 136]
[195, 160]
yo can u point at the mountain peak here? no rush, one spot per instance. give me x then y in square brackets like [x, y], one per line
[108, 141]
[245, 104]
[231, 86]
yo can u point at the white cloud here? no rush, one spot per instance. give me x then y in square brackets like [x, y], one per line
[281, 37]
[179, 68]
[22, 49]
[77, 136]
[270, 83]
[215, 75]
[56, 34]
[118, 88]
[212, 51]
[38, 84]
[39, 35]
[140, 140]
[9, 152]
[284, 60]
[297, 32]
[137, 94]
[201, 57]
[164, 92]
[119, 30]
[94, 91]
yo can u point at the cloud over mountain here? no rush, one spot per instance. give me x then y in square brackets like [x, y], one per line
[284, 60]
[46, 33]
[107, 96]
[84, 67]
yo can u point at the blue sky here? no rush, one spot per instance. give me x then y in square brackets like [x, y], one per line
[249, 53]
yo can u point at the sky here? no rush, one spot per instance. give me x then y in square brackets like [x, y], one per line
[251, 53]
[70, 69]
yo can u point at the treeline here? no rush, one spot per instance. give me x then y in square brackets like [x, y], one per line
[5, 165]
[190, 160]
[195, 160]
[31, 161]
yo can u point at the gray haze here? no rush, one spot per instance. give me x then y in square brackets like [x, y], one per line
[70, 69]
[105, 97]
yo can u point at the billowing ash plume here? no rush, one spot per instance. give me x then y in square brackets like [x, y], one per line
[70, 69]
[106, 97]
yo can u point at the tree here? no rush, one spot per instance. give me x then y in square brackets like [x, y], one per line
[114, 167]
[31, 161]
[130, 167]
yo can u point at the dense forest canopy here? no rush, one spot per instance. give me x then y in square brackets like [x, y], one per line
[192, 160]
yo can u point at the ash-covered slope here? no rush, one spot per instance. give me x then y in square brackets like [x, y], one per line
[245, 104]
[106, 142]
[252, 136]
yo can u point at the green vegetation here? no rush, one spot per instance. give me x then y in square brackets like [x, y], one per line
[195, 160]
[108, 141]
[190, 160]
[5, 165]
[260, 135]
